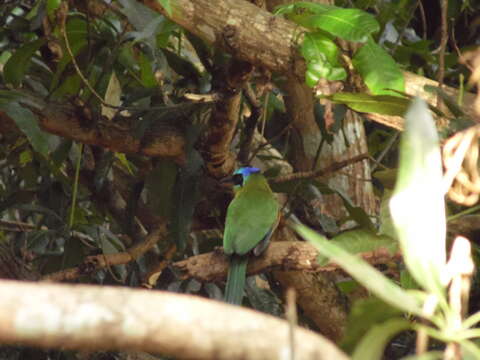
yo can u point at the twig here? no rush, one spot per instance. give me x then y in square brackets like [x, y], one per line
[96, 262]
[443, 45]
[385, 150]
[74, 61]
[320, 172]
[424, 20]
[250, 124]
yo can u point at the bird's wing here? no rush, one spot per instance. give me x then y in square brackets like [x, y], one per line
[250, 216]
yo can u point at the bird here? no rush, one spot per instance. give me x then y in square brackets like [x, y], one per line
[251, 219]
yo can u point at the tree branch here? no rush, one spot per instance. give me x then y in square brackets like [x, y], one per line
[70, 122]
[269, 41]
[280, 255]
[96, 262]
[182, 326]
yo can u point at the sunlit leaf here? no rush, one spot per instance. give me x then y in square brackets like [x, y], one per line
[417, 205]
[363, 272]
[167, 6]
[431, 355]
[303, 8]
[378, 69]
[321, 54]
[380, 104]
[361, 240]
[349, 24]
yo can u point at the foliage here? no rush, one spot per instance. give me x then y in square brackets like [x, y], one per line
[417, 208]
[122, 68]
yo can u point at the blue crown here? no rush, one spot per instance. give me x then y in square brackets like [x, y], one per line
[246, 171]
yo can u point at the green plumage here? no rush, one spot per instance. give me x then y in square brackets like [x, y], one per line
[251, 218]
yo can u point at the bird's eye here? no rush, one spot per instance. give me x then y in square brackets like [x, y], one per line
[238, 179]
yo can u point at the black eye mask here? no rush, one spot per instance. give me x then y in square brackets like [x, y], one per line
[237, 179]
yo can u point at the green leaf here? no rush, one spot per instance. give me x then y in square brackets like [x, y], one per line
[27, 123]
[364, 273]
[359, 241]
[364, 314]
[348, 24]
[386, 224]
[16, 66]
[77, 37]
[159, 184]
[167, 6]
[321, 54]
[303, 7]
[380, 104]
[378, 69]
[52, 5]
[417, 205]
[147, 75]
[373, 344]
[431, 355]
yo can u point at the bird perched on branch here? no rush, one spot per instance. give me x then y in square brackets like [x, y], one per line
[252, 217]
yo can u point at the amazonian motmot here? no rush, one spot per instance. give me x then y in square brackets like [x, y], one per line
[252, 216]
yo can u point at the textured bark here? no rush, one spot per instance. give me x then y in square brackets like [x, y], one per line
[69, 122]
[280, 255]
[11, 267]
[180, 326]
[319, 299]
[239, 27]
[266, 40]
[219, 160]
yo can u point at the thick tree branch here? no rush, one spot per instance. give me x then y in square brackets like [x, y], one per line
[215, 148]
[72, 123]
[181, 326]
[269, 41]
[280, 255]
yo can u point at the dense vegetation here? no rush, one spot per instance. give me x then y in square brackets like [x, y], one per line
[119, 118]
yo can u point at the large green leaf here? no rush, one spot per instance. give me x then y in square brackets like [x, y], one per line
[27, 123]
[364, 273]
[364, 314]
[303, 8]
[16, 66]
[431, 355]
[361, 240]
[373, 344]
[380, 104]
[321, 54]
[349, 24]
[167, 6]
[417, 205]
[378, 69]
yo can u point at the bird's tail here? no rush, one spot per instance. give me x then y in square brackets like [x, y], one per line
[237, 272]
